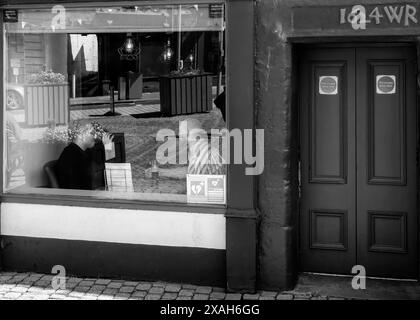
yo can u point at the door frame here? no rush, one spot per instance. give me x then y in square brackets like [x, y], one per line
[300, 45]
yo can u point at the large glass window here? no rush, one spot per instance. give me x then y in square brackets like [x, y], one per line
[116, 102]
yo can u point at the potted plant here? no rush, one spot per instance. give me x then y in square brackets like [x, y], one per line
[46, 99]
[186, 91]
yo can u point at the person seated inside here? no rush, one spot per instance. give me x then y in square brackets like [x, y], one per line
[74, 165]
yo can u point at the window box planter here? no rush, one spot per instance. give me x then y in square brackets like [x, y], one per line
[185, 94]
[46, 103]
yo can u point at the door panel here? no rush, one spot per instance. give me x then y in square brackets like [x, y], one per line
[327, 172]
[386, 162]
[358, 160]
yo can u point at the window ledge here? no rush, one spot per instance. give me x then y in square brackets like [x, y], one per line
[95, 199]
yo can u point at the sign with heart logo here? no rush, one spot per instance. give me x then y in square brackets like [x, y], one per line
[197, 187]
[207, 189]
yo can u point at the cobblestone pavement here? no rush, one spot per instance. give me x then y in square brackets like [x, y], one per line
[33, 286]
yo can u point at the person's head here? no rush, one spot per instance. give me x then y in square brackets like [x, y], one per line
[85, 137]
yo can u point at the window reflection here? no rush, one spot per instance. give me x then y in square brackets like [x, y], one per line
[89, 89]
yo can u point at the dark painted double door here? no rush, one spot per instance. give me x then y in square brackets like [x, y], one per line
[358, 160]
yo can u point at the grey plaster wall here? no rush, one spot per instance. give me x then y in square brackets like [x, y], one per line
[273, 98]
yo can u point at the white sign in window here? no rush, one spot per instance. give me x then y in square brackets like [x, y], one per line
[386, 84]
[205, 188]
[328, 85]
[118, 177]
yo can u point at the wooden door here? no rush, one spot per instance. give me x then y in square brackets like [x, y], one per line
[358, 160]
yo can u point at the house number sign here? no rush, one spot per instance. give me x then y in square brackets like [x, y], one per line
[359, 17]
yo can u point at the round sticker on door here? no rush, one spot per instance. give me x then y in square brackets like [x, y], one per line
[328, 85]
[385, 84]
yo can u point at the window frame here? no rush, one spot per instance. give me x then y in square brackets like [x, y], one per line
[240, 190]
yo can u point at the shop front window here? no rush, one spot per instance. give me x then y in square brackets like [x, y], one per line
[116, 102]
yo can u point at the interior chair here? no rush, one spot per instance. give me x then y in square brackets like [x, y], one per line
[50, 169]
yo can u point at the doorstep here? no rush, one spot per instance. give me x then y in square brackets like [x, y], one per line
[376, 289]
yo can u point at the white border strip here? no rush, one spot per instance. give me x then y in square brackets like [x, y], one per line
[174, 229]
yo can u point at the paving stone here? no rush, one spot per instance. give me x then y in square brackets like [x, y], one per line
[35, 289]
[5, 278]
[102, 282]
[303, 294]
[183, 298]
[74, 280]
[43, 283]
[122, 296]
[110, 291]
[144, 286]
[268, 293]
[139, 294]
[217, 295]
[11, 281]
[114, 285]
[89, 297]
[58, 296]
[126, 289]
[336, 298]
[41, 297]
[248, 296]
[203, 290]
[97, 288]
[186, 293]
[26, 297]
[189, 287]
[86, 283]
[319, 298]
[130, 284]
[201, 297]
[267, 298]
[20, 289]
[28, 281]
[19, 278]
[218, 289]
[63, 291]
[286, 296]
[153, 297]
[12, 295]
[47, 277]
[48, 291]
[159, 284]
[173, 288]
[71, 285]
[9, 273]
[233, 296]
[82, 289]
[76, 294]
[157, 290]
[105, 297]
[169, 296]
[7, 287]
